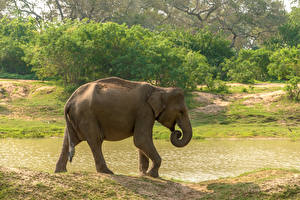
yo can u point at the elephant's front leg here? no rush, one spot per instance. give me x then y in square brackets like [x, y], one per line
[143, 163]
[143, 140]
[146, 145]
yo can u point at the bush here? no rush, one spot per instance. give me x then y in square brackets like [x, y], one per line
[292, 88]
[248, 66]
[213, 46]
[217, 86]
[15, 34]
[285, 63]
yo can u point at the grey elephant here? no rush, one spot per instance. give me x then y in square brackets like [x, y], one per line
[113, 109]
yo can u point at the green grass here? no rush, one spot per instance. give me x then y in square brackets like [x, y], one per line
[17, 76]
[39, 114]
[19, 128]
[252, 89]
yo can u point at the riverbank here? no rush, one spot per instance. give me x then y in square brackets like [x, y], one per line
[261, 184]
[34, 109]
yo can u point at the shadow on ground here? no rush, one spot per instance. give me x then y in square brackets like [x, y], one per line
[165, 189]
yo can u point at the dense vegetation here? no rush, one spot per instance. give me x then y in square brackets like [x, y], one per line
[74, 50]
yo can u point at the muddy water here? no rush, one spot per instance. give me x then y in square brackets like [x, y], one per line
[200, 160]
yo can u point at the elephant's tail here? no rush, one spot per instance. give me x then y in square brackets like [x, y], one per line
[71, 133]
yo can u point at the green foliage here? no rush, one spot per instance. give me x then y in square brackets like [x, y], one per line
[74, 52]
[216, 85]
[213, 46]
[239, 68]
[292, 88]
[290, 31]
[248, 65]
[15, 34]
[78, 52]
[6, 75]
[285, 62]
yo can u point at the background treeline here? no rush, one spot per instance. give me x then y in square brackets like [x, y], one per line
[167, 43]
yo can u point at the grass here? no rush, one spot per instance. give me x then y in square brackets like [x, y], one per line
[259, 184]
[252, 89]
[18, 128]
[17, 76]
[40, 114]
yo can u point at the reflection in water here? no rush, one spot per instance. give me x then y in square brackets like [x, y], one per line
[198, 161]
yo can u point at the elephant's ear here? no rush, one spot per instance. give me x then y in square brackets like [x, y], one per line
[156, 101]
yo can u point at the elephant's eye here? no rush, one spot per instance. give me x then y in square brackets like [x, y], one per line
[181, 112]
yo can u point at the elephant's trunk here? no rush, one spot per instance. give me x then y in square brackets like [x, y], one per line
[179, 139]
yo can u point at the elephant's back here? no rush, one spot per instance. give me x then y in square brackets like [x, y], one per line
[115, 95]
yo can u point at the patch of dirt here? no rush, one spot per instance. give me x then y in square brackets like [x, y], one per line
[267, 97]
[45, 89]
[213, 103]
[10, 90]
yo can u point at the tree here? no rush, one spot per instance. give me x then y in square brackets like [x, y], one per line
[80, 51]
[289, 33]
[213, 46]
[246, 23]
[15, 34]
[285, 63]
[248, 65]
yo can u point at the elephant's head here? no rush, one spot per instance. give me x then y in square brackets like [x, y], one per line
[169, 109]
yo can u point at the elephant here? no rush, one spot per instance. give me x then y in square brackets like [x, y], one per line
[113, 109]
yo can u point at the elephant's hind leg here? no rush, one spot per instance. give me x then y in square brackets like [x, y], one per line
[96, 147]
[61, 165]
[95, 141]
[143, 163]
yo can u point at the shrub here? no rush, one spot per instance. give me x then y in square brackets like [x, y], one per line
[285, 63]
[292, 88]
[15, 35]
[248, 66]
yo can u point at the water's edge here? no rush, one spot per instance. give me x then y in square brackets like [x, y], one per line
[199, 161]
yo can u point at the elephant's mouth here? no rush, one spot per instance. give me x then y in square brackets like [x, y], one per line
[172, 128]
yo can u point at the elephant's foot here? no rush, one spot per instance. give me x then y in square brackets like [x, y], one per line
[143, 170]
[60, 170]
[105, 171]
[143, 173]
[153, 173]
